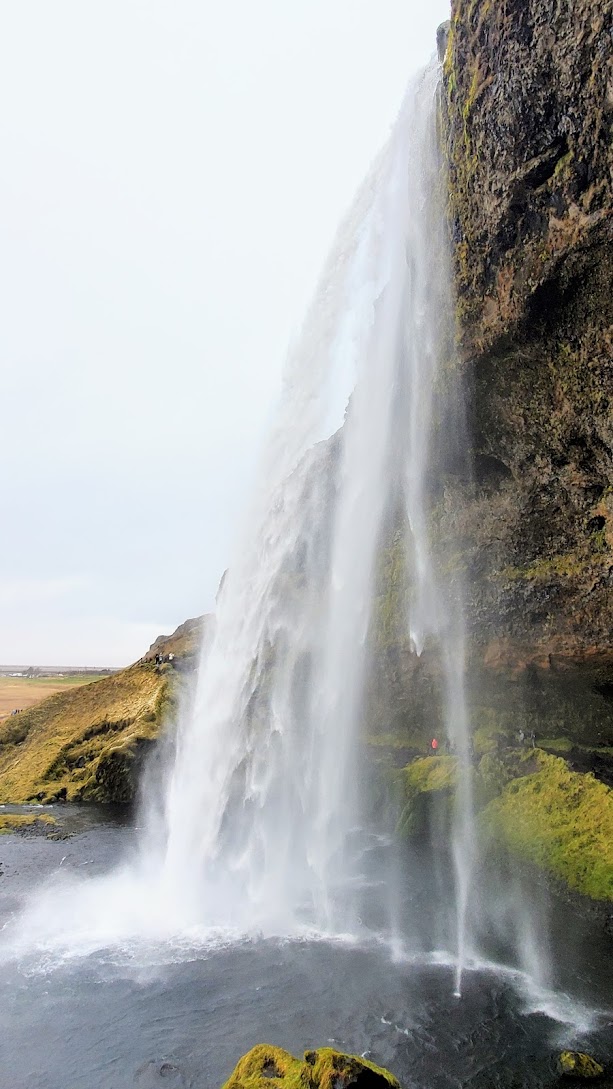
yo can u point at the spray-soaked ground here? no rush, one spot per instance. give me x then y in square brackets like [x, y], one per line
[173, 1015]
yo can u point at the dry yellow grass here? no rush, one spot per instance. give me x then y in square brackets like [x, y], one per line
[80, 738]
[87, 742]
[24, 692]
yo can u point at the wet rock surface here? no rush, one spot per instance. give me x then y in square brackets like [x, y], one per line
[525, 536]
[529, 103]
[530, 92]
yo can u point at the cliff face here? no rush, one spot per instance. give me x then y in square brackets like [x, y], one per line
[530, 93]
[529, 99]
[528, 139]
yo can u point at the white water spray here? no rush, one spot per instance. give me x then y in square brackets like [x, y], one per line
[261, 801]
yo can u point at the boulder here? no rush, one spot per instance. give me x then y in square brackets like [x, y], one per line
[576, 1064]
[321, 1069]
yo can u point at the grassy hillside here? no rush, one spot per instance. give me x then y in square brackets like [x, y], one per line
[24, 692]
[88, 743]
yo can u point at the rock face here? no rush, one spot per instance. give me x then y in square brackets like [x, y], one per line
[527, 133]
[529, 90]
[184, 643]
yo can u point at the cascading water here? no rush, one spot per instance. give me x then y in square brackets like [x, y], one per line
[258, 830]
[261, 800]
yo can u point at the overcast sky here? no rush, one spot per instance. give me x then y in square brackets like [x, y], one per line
[173, 173]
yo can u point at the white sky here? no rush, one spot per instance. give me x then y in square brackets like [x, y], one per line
[173, 174]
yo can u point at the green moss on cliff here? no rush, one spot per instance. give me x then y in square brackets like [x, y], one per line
[494, 773]
[265, 1066]
[391, 603]
[528, 802]
[567, 565]
[559, 819]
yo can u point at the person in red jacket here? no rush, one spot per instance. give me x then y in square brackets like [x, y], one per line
[434, 746]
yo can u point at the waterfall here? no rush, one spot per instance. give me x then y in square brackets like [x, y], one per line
[261, 811]
[261, 801]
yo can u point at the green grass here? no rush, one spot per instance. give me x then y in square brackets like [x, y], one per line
[67, 679]
[559, 819]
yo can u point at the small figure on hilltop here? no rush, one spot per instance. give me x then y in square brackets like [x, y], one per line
[434, 747]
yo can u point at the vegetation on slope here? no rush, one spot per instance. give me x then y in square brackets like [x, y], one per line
[71, 742]
[528, 802]
[560, 819]
[22, 692]
[88, 743]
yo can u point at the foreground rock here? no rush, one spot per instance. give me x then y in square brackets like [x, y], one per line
[323, 1069]
[577, 1065]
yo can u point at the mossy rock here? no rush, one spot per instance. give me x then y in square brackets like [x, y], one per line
[427, 791]
[559, 819]
[11, 823]
[266, 1066]
[576, 1064]
[494, 774]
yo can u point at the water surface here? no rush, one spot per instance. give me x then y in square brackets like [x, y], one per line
[181, 1013]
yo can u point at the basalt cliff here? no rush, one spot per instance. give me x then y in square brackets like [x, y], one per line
[527, 131]
[529, 99]
[526, 528]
